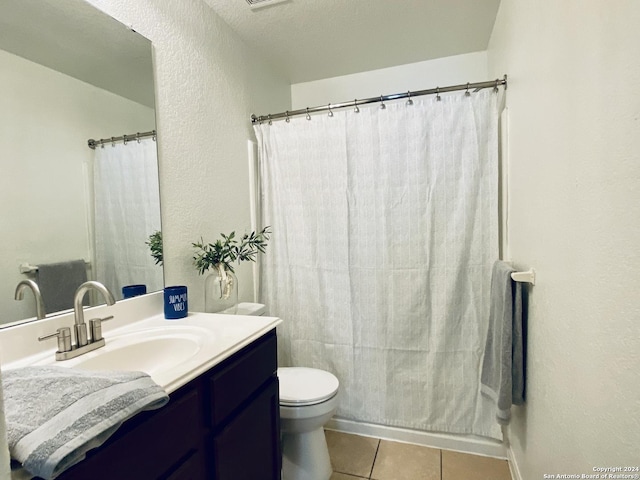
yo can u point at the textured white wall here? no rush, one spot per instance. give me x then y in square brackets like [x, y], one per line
[471, 67]
[207, 84]
[574, 187]
[43, 146]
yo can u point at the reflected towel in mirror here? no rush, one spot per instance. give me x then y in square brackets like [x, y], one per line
[58, 283]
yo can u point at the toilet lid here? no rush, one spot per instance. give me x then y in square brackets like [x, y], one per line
[306, 386]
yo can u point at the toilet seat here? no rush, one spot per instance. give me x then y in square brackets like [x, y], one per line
[300, 386]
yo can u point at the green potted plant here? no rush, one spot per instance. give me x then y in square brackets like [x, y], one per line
[221, 286]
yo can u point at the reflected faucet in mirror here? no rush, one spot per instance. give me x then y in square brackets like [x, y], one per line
[19, 295]
[83, 344]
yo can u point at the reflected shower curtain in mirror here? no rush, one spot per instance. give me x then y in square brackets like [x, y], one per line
[127, 211]
[385, 228]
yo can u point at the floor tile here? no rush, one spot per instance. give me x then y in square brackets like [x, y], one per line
[351, 454]
[344, 476]
[403, 461]
[462, 466]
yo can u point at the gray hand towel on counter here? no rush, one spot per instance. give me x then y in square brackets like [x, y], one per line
[55, 415]
[58, 283]
[503, 364]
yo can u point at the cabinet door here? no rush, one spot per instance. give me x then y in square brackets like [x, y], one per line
[248, 447]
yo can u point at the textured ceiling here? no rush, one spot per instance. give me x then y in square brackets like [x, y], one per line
[313, 39]
[75, 38]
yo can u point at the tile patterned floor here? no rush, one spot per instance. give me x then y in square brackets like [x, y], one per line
[356, 457]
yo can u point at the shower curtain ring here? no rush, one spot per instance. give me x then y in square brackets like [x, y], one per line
[330, 112]
[382, 105]
[287, 119]
[409, 101]
[467, 93]
[355, 103]
[113, 141]
[308, 116]
[269, 117]
[495, 88]
[101, 143]
[138, 137]
[154, 136]
[124, 139]
[438, 98]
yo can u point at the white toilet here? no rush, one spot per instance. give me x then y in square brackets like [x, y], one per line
[308, 399]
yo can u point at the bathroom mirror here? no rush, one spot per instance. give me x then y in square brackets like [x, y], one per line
[71, 73]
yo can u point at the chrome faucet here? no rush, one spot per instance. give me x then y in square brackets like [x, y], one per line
[83, 343]
[19, 295]
[80, 327]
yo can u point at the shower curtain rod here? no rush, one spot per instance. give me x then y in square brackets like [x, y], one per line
[382, 98]
[125, 138]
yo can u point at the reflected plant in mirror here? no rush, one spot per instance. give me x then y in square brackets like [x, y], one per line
[155, 245]
[76, 213]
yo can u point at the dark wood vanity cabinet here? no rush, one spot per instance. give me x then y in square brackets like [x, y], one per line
[223, 425]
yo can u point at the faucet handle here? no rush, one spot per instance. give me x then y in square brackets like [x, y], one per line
[64, 338]
[95, 325]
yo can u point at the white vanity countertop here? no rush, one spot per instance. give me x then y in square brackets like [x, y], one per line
[172, 352]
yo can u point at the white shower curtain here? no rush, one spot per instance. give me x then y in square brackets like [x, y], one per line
[127, 211]
[385, 228]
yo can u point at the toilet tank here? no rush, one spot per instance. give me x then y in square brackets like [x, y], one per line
[246, 308]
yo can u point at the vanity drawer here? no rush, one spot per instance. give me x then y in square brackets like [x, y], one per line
[241, 376]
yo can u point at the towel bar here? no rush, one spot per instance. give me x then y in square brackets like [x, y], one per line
[525, 277]
[28, 268]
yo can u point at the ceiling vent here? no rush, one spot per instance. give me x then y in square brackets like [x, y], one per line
[264, 3]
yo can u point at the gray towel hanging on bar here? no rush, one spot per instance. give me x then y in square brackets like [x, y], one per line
[503, 365]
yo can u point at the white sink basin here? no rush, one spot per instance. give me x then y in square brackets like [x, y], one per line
[150, 350]
[149, 355]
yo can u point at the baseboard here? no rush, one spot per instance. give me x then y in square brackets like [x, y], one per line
[458, 443]
[513, 465]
